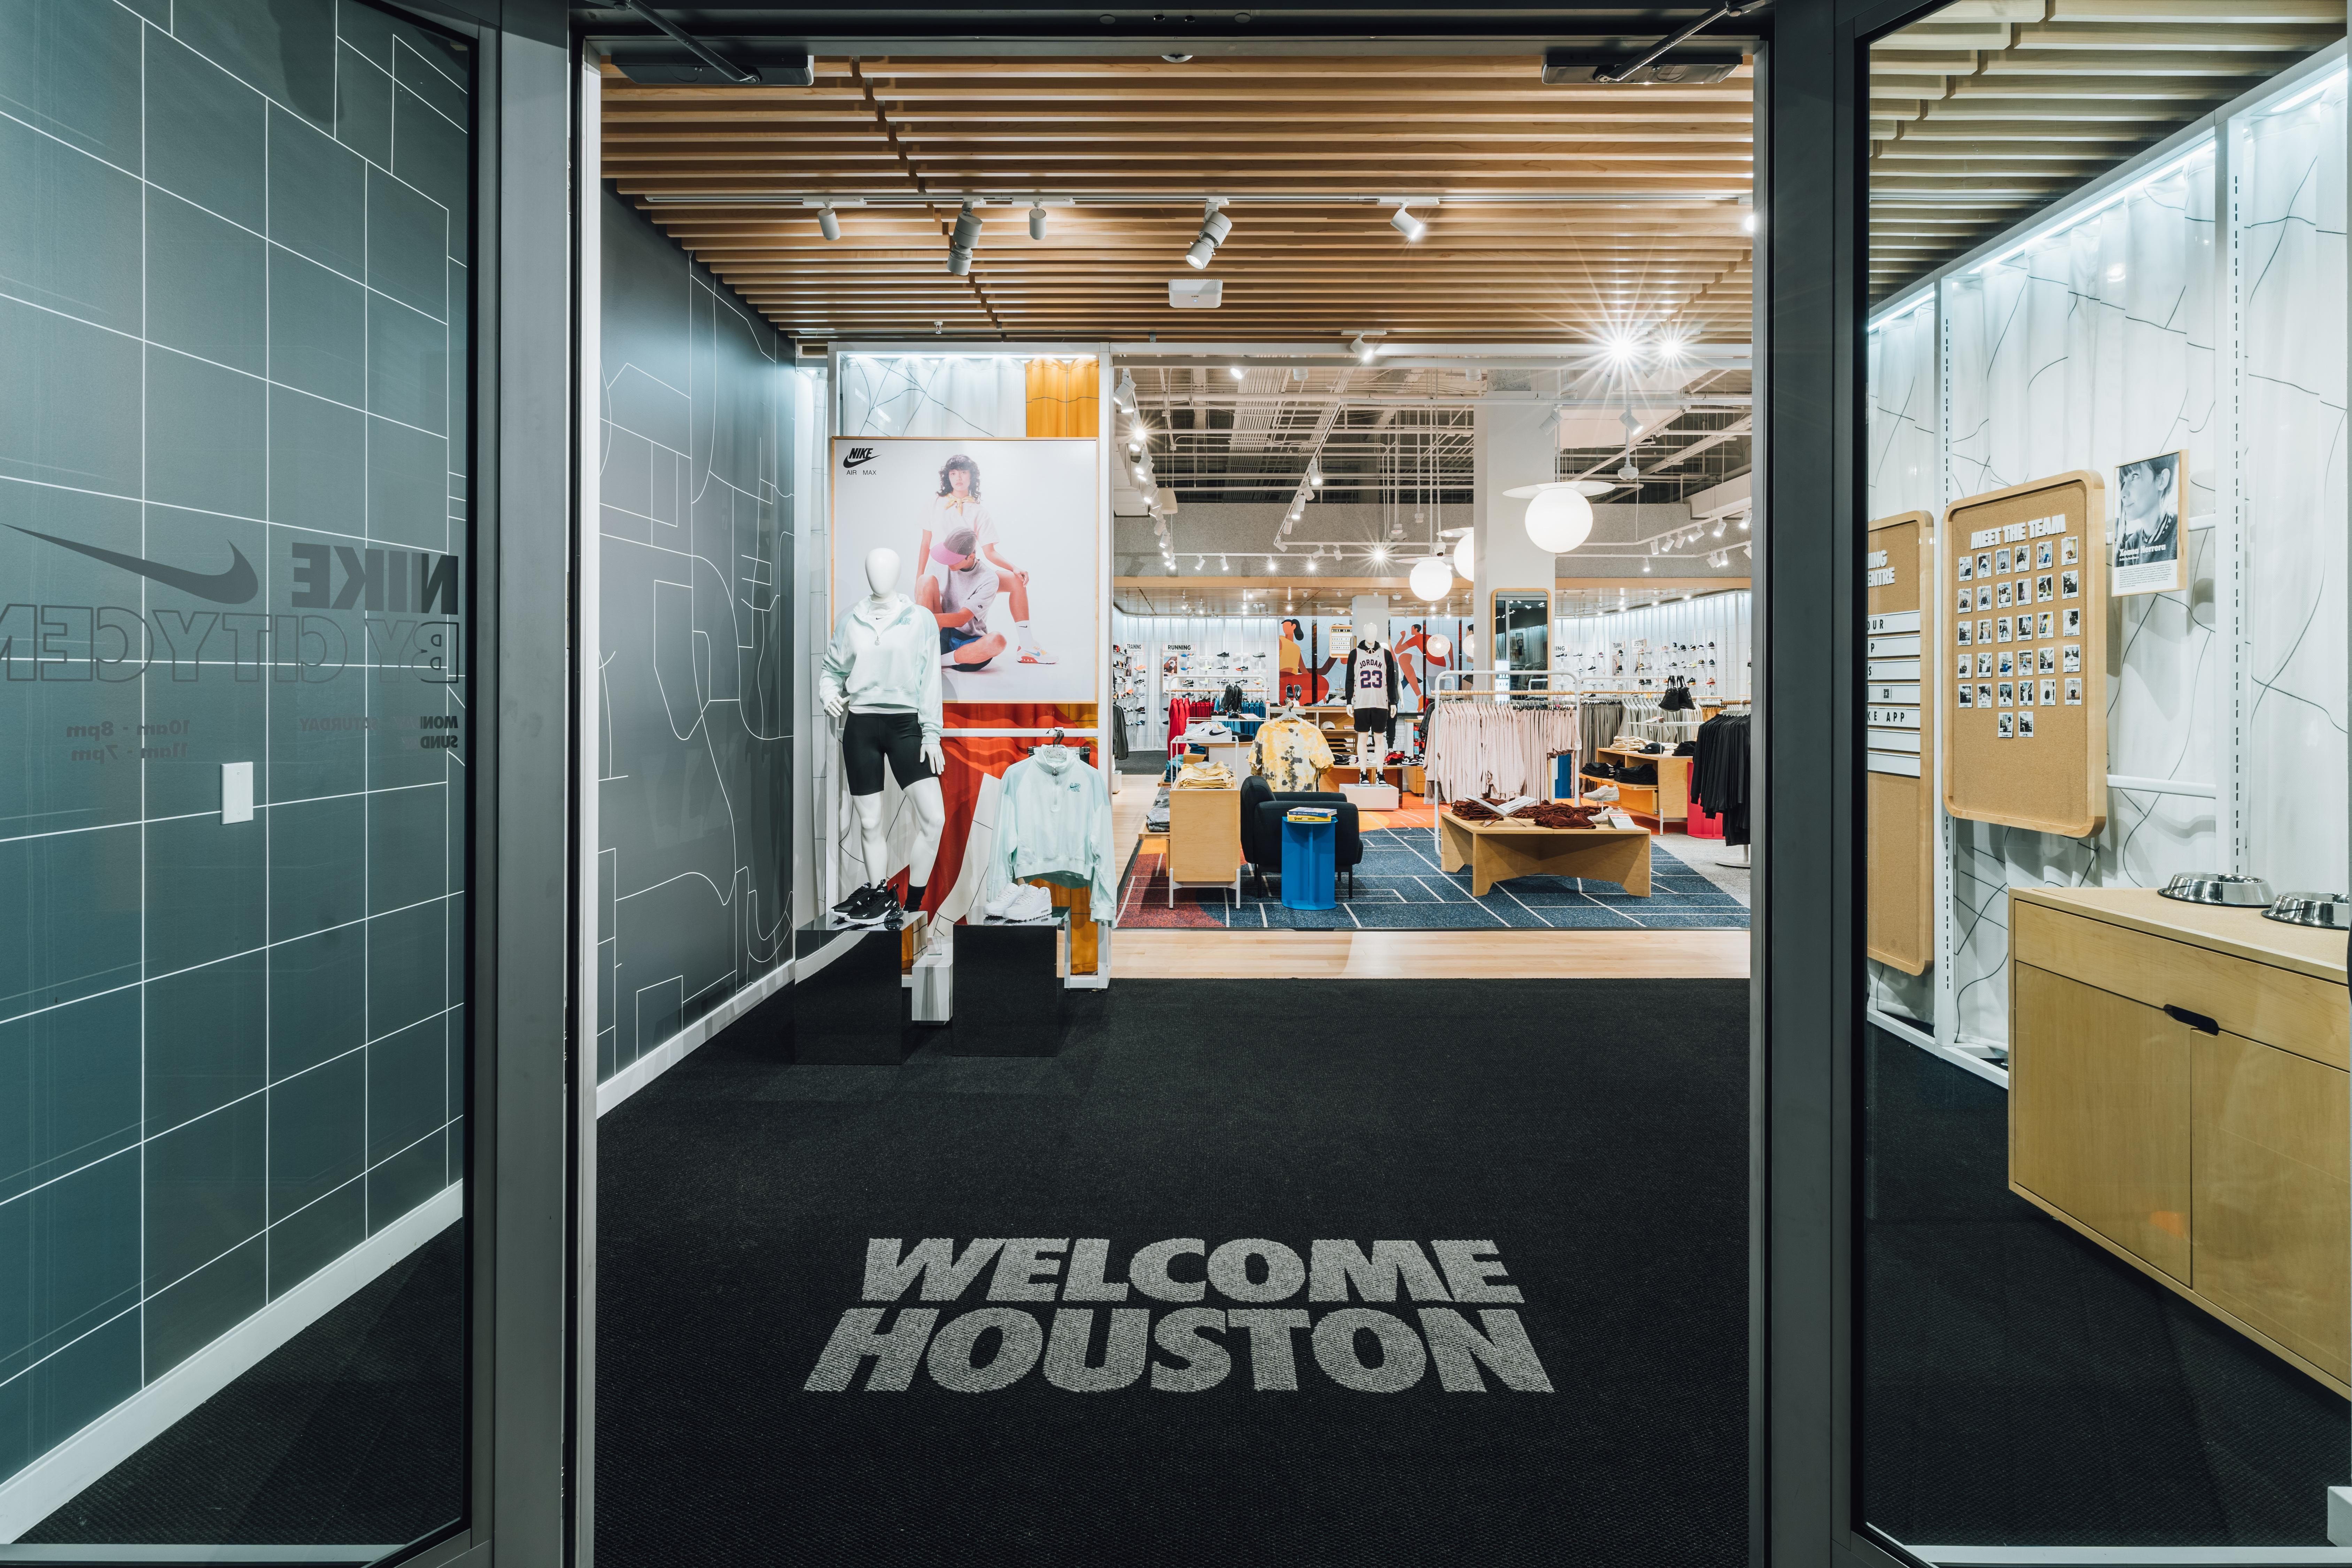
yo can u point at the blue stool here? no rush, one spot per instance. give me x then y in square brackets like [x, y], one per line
[1308, 881]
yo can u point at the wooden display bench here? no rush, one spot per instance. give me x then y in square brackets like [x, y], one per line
[1497, 851]
[1668, 800]
[2177, 1094]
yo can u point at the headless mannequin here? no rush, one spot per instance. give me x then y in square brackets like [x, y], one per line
[930, 810]
[1371, 749]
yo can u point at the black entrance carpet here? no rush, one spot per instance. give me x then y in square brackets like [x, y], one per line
[2024, 1388]
[1593, 1131]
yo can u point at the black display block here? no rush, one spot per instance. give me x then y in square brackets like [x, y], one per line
[1008, 1000]
[853, 1012]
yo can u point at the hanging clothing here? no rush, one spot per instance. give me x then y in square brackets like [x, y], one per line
[1053, 821]
[1118, 734]
[1719, 780]
[1290, 754]
[1502, 748]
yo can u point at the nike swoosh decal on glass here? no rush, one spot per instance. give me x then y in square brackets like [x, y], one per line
[234, 586]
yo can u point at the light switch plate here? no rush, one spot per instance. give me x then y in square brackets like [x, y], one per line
[236, 792]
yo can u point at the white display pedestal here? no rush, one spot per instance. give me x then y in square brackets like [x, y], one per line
[1371, 797]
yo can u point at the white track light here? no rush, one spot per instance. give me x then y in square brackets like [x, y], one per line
[1214, 227]
[828, 224]
[1123, 394]
[1037, 221]
[966, 236]
[1405, 224]
[1235, 372]
[1362, 348]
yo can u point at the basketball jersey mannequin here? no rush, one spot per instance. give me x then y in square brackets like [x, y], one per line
[1372, 695]
[880, 682]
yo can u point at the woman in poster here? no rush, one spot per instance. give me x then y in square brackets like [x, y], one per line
[957, 508]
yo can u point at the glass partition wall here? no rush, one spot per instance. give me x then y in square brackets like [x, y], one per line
[235, 570]
[2104, 1215]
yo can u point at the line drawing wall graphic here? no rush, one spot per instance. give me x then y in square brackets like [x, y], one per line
[695, 541]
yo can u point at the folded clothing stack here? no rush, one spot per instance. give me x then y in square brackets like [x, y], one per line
[1556, 813]
[1206, 775]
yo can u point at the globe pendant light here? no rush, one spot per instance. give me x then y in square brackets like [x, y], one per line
[1559, 518]
[1465, 557]
[1440, 648]
[1431, 578]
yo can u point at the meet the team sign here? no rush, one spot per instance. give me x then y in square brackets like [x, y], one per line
[1377, 1318]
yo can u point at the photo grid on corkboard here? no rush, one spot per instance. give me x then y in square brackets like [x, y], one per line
[2025, 699]
[1901, 636]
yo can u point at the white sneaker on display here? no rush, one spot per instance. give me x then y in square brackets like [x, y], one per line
[1028, 902]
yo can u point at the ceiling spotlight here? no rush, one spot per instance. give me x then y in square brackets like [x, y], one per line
[1269, 565]
[1214, 227]
[1037, 221]
[1123, 394]
[1645, 566]
[1380, 553]
[1314, 477]
[1743, 524]
[1135, 443]
[1224, 565]
[966, 236]
[1312, 560]
[1405, 224]
[826, 224]
[1748, 224]
[1718, 528]
[1234, 371]
[1620, 347]
[1363, 348]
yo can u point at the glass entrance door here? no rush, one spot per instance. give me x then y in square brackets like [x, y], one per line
[234, 557]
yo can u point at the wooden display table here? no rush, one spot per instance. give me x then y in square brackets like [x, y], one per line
[2178, 1093]
[1496, 851]
[1666, 801]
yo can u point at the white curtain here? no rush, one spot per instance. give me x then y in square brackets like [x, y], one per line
[1905, 470]
[934, 395]
[2091, 346]
[2291, 217]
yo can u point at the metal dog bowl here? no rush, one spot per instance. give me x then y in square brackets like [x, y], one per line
[2330, 910]
[2218, 888]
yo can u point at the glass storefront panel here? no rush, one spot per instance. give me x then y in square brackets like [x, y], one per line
[2105, 1221]
[235, 359]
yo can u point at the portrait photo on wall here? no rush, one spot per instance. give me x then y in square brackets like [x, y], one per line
[1001, 541]
[2147, 558]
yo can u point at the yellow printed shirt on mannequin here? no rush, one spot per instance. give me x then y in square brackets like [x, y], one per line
[1290, 754]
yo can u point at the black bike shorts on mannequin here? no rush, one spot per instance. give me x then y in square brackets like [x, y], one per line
[867, 738]
[1373, 721]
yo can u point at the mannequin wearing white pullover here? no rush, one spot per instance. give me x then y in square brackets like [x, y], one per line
[880, 681]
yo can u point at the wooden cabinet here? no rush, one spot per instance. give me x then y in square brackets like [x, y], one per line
[2179, 1093]
[1204, 837]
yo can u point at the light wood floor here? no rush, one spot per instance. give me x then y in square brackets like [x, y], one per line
[1409, 954]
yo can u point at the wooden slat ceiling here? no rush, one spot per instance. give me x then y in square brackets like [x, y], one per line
[1573, 210]
[1991, 108]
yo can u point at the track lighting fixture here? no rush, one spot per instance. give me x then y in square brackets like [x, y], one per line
[1235, 372]
[1405, 223]
[966, 236]
[826, 224]
[1037, 221]
[1214, 227]
[1363, 348]
[1123, 394]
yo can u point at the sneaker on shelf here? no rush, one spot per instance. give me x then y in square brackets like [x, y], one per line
[1606, 791]
[994, 909]
[869, 911]
[1038, 656]
[857, 896]
[1031, 903]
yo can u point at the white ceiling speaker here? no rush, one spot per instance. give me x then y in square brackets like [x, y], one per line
[1195, 293]
[1431, 578]
[1405, 223]
[1037, 221]
[1214, 227]
[826, 224]
[1559, 518]
[1465, 557]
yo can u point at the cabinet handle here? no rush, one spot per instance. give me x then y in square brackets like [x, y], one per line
[2196, 1021]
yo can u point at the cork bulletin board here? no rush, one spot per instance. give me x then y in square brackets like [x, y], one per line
[2025, 698]
[1900, 637]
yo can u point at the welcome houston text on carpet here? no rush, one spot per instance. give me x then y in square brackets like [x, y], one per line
[987, 1348]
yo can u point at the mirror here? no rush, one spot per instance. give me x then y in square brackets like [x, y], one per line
[1522, 638]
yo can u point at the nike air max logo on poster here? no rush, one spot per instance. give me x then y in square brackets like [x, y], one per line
[858, 456]
[234, 586]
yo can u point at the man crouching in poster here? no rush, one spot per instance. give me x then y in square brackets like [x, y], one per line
[960, 508]
[958, 587]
